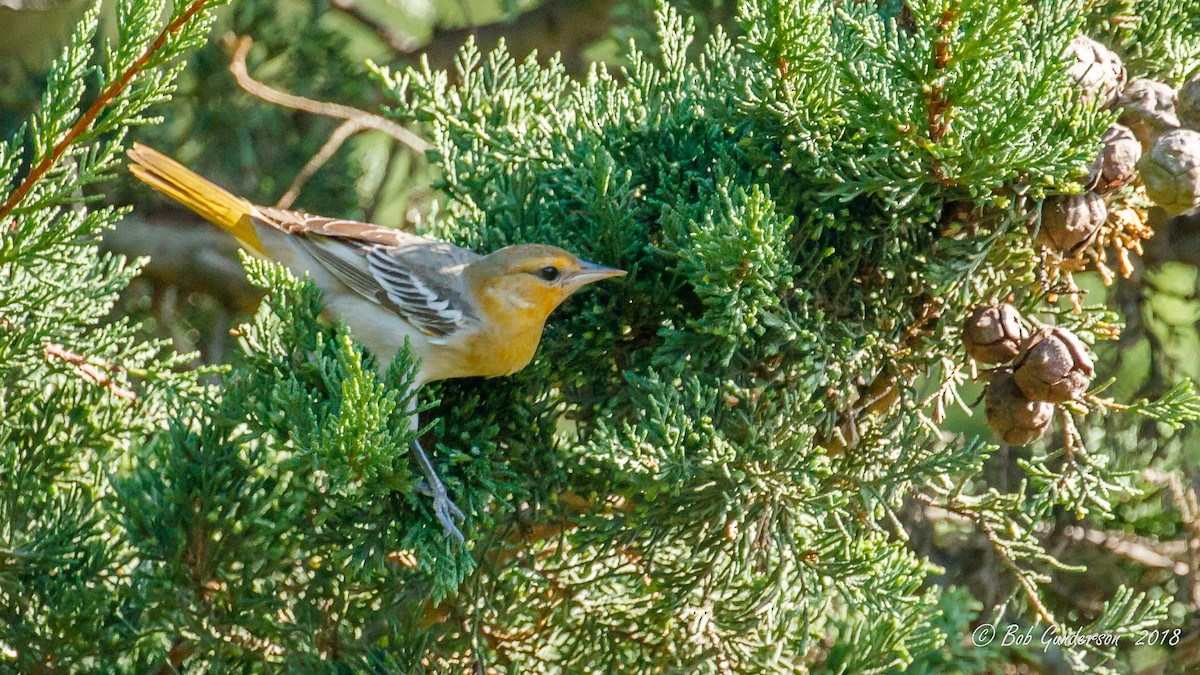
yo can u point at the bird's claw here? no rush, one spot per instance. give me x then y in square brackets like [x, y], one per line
[444, 508]
[446, 512]
[455, 511]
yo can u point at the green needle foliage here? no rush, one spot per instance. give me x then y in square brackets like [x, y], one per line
[77, 391]
[695, 474]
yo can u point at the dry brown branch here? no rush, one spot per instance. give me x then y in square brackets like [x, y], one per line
[339, 136]
[1031, 591]
[1188, 503]
[100, 375]
[1142, 551]
[240, 47]
[181, 255]
[401, 44]
[1026, 584]
[355, 120]
[563, 26]
[102, 100]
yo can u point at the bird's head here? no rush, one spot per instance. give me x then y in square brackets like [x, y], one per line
[532, 279]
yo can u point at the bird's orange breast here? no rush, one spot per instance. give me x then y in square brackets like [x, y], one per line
[503, 350]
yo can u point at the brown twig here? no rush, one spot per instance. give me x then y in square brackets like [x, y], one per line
[181, 255]
[339, 136]
[1188, 503]
[1031, 591]
[240, 48]
[1142, 551]
[89, 116]
[1145, 552]
[939, 108]
[93, 372]
[563, 27]
[1073, 444]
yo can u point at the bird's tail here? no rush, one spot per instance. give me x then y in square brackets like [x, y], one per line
[216, 204]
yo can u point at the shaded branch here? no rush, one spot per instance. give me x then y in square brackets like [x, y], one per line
[339, 136]
[401, 44]
[187, 256]
[999, 547]
[1147, 553]
[1188, 503]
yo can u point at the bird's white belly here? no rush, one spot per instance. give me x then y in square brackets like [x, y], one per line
[379, 329]
[376, 327]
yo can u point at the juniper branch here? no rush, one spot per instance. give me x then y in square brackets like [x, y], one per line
[102, 101]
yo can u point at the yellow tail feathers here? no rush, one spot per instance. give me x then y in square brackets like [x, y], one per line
[214, 203]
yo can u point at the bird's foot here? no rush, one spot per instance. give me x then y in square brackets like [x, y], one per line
[447, 511]
[444, 508]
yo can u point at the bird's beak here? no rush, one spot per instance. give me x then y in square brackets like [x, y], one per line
[591, 272]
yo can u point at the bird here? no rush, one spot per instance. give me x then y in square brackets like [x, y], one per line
[464, 314]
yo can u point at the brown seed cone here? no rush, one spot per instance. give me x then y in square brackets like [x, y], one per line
[1054, 366]
[1097, 70]
[993, 334]
[1148, 109]
[1187, 104]
[1014, 418]
[1171, 171]
[1070, 222]
[1116, 164]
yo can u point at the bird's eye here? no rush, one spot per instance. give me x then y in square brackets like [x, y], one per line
[549, 273]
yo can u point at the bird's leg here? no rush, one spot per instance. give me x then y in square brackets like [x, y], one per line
[445, 510]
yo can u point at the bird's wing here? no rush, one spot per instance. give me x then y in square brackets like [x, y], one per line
[417, 278]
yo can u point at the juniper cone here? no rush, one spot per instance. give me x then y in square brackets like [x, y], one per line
[1148, 109]
[993, 334]
[1187, 104]
[1015, 419]
[1097, 70]
[1070, 222]
[1171, 171]
[1054, 366]
[1116, 164]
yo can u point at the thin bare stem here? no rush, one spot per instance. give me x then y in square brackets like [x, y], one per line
[101, 375]
[344, 131]
[240, 47]
[402, 44]
[1030, 589]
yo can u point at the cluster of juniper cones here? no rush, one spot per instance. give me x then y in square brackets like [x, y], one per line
[1157, 140]
[1157, 137]
[1037, 371]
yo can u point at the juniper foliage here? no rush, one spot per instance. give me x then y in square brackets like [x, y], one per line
[711, 465]
[78, 390]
